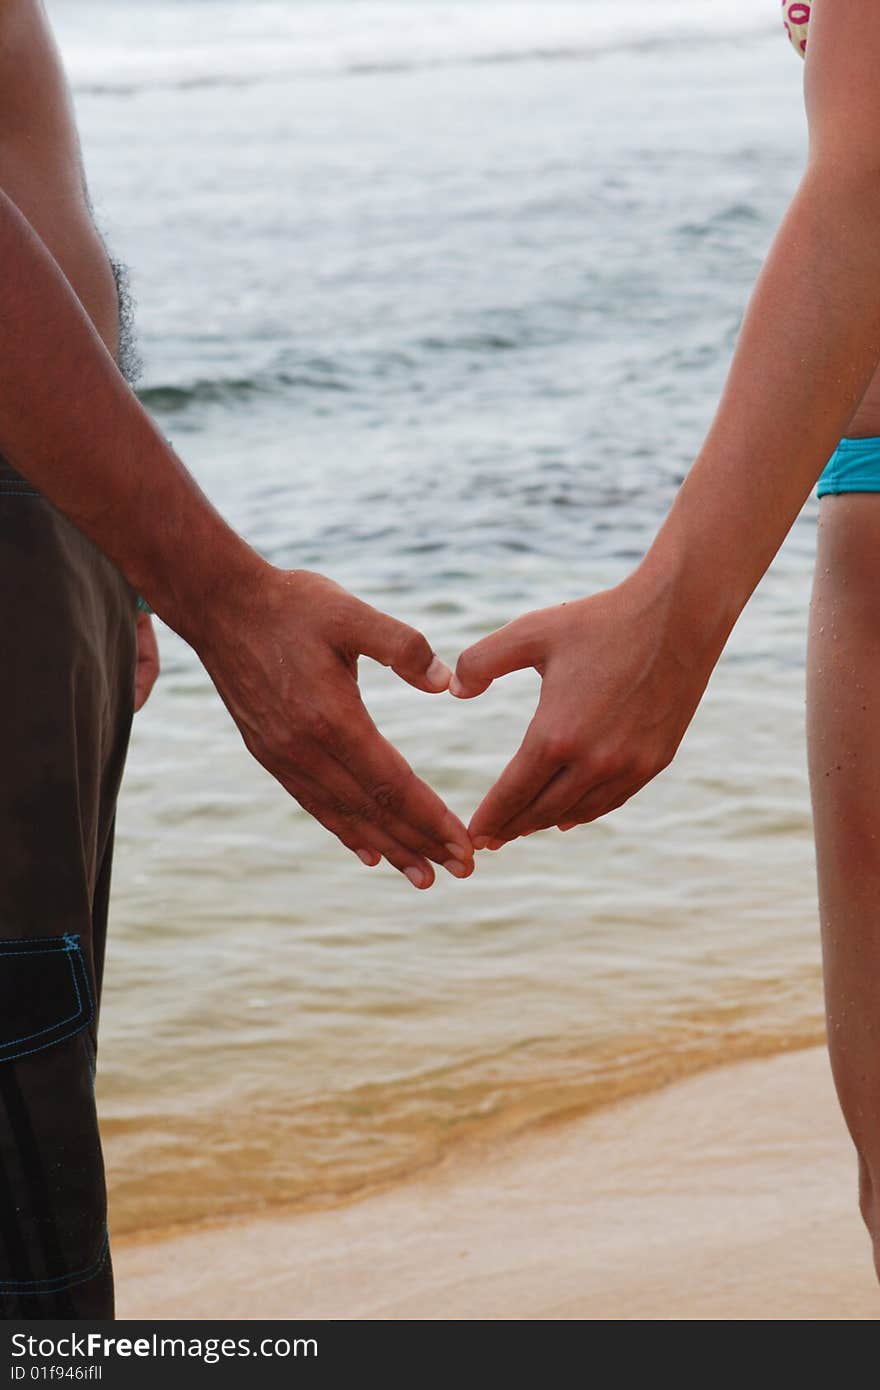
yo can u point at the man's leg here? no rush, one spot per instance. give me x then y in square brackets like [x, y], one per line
[67, 659]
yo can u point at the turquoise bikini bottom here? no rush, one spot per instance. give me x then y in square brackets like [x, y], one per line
[853, 467]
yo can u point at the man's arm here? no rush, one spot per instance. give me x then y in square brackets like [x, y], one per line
[624, 671]
[281, 646]
[72, 425]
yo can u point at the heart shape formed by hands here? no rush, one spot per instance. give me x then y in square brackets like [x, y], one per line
[615, 702]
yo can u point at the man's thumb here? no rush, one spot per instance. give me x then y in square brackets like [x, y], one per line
[404, 649]
[511, 648]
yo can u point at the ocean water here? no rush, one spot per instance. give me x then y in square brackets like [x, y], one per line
[438, 298]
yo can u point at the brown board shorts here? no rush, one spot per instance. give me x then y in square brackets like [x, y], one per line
[67, 663]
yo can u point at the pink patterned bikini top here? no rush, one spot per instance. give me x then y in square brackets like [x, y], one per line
[796, 18]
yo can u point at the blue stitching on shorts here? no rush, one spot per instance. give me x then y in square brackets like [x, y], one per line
[18, 487]
[79, 1016]
[68, 937]
[61, 1281]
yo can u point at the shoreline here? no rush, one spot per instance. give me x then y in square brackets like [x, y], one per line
[729, 1194]
[465, 1149]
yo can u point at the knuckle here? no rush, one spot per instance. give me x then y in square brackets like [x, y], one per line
[367, 811]
[592, 807]
[387, 796]
[647, 764]
[467, 668]
[608, 762]
[666, 757]
[602, 767]
[424, 844]
[341, 615]
[320, 727]
[413, 650]
[555, 745]
[565, 749]
[309, 805]
[253, 746]
[642, 767]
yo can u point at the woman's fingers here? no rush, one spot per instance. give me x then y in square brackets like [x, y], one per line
[567, 786]
[599, 801]
[511, 648]
[524, 778]
[590, 785]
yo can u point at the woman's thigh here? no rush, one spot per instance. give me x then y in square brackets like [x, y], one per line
[843, 723]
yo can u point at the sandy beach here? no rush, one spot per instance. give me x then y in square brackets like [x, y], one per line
[730, 1195]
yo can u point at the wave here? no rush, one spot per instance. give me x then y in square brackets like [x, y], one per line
[169, 398]
[577, 53]
[293, 374]
[122, 50]
[172, 398]
[733, 215]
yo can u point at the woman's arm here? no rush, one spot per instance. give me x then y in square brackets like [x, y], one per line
[806, 353]
[624, 671]
[809, 343]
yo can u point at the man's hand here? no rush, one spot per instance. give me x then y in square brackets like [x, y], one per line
[283, 655]
[617, 694]
[147, 668]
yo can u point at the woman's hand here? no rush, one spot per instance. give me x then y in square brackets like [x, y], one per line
[147, 668]
[619, 687]
[283, 655]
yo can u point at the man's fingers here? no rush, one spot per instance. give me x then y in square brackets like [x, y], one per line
[350, 800]
[511, 648]
[390, 786]
[411, 810]
[147, 668]
[403, 648]
[361, 837]
[361, 776]
[525, 776]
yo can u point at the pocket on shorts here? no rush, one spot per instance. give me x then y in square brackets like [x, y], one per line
[45, 994]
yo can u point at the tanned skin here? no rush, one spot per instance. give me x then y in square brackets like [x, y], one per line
[281, 646]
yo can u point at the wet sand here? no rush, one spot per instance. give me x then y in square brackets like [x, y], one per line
[730, 1195]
